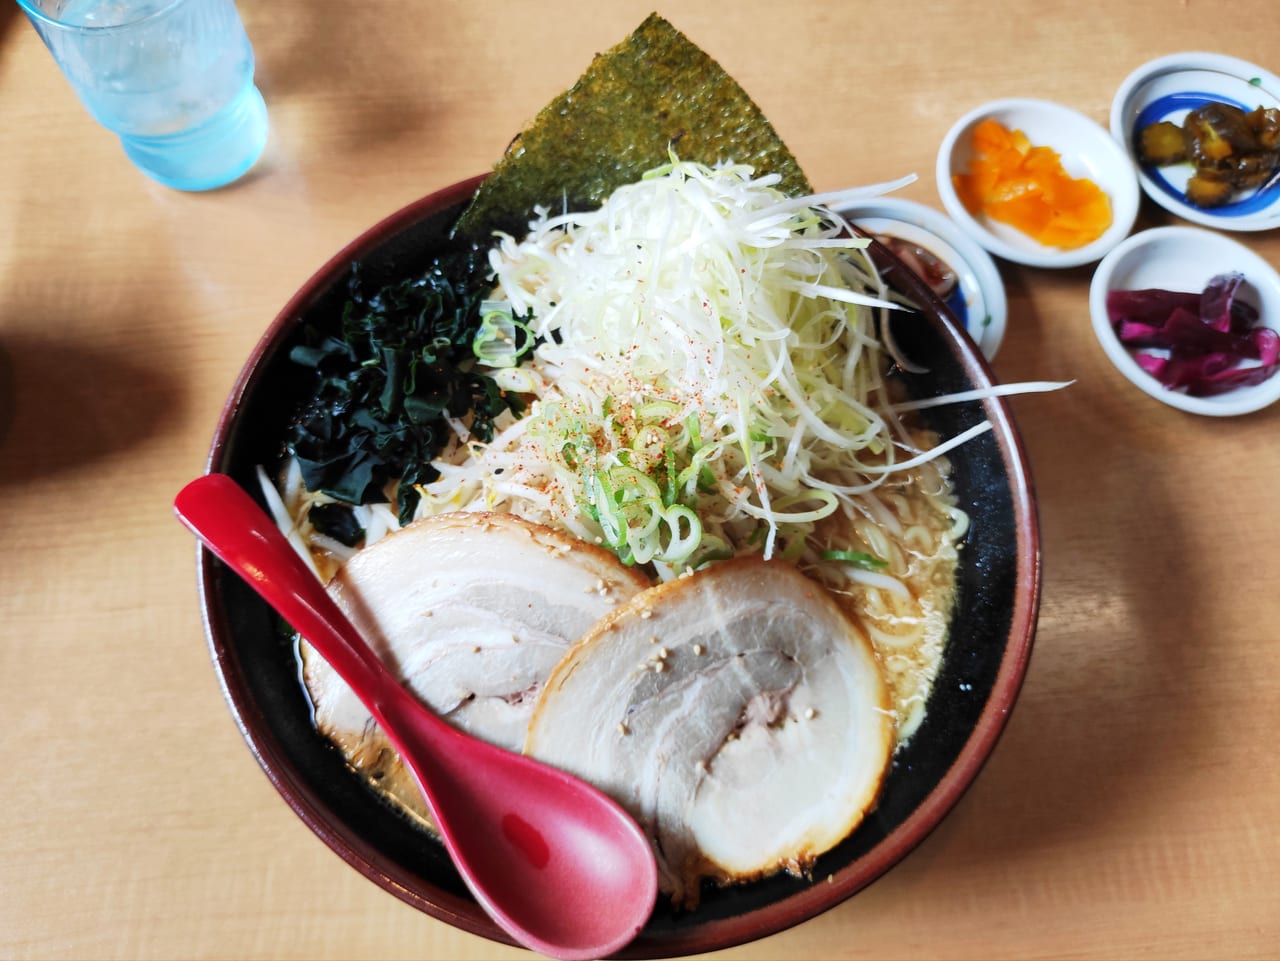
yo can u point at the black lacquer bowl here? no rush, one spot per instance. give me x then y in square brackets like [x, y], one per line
[986, 658]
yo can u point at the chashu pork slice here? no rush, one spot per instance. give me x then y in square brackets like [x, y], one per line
[472, 611]
[738, 714]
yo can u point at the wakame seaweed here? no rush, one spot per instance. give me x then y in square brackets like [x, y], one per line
[337, 521]
[403, 357]
[400, 363]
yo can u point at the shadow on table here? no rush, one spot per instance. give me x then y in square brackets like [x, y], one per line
[66, 405]
[333, 55]
[1107, 711]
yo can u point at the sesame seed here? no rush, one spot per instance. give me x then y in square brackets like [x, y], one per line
[646, 614]
[654, 639]
[810, 714]
[698, 649]
[659, 666]
[663, 652]
[623, 729]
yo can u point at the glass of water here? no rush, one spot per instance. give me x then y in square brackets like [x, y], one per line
[172, 78]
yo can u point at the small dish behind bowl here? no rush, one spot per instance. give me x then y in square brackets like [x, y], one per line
[1184, 259]
[1169, 88]
[1086, 149]
[978, 300]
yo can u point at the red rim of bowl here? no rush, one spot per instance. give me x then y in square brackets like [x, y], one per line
[715, 934]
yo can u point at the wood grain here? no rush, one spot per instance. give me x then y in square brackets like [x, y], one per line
[1131, 808]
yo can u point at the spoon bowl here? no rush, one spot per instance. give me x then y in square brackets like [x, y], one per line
[559, 865]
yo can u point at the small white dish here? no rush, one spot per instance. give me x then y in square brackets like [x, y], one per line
[1185, 259]
[1086, 149]
[1169, 88]
[978, 300]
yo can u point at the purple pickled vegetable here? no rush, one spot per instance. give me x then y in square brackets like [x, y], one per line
[1150, 306]
[1221, 309]
[1184, 329]
[1267, 343]
[1215, 302]
[1203, 375]
[1229, 380]
[1218, 374]
[1153, 364]
[1183, 370]
[1244, 316]
[1202, 339]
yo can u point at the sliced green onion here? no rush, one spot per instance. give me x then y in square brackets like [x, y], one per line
[827, 506]
[868, 562]
[680, 544]
[707, 349]
[501, 340]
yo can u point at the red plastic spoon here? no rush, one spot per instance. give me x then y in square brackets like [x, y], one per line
[556, 863]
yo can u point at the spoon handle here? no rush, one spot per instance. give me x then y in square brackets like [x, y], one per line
[536, 846]
[239, 533]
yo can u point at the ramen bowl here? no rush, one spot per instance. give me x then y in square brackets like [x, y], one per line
[990, 640]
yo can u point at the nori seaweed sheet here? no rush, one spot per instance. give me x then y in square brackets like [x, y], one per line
[653, 92]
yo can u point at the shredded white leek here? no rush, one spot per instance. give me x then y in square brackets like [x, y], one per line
[982, 393]
[704, 361]
[707, 376]
[281, 515]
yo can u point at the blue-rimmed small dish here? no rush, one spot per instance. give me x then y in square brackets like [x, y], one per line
[1169, 88]
[977, 296]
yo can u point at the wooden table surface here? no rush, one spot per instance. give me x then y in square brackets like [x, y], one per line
[1132, 808]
